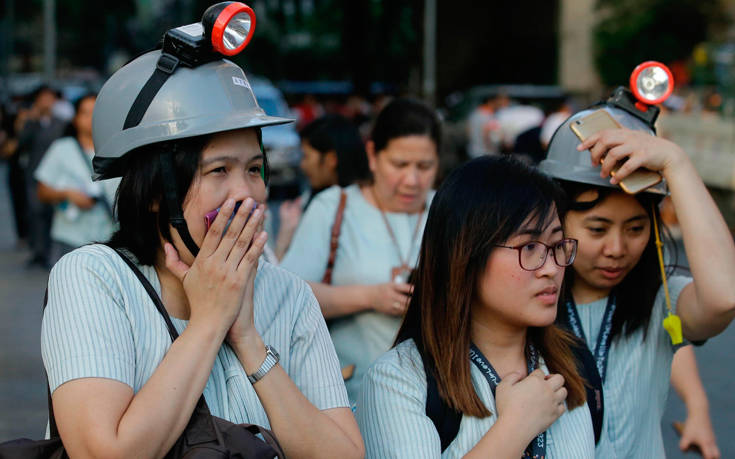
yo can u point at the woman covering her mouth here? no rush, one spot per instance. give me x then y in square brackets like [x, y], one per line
[479, 331]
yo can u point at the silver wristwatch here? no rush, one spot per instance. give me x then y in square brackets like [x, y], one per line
[271, 359]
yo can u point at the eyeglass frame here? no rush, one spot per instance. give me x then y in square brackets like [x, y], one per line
[549, 248]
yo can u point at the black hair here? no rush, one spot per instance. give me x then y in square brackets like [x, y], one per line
[404, 117]
[336, 133]
[636, 294]
[44, 87]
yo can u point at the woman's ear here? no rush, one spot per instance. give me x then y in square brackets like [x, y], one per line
[155, 207]
[330, 160]
[372, 159]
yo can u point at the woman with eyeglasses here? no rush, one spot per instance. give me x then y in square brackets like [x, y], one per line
[615, 300]
[479, 332]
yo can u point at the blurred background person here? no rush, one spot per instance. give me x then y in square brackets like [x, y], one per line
[552, 122]
[82, 208]
[362, 281]
[483, 127]
[37, 129]
[333, 154]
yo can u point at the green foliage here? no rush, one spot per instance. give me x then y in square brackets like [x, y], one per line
[634, 31]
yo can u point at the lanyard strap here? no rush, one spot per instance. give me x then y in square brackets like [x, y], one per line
[537, 447]
[602, 348]
[392, 234]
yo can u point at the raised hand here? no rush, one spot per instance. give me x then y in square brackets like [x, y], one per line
[530, 404]
[390, 298]
[636, 148]
[221, 276]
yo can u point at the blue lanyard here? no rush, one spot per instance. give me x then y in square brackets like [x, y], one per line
[602, 348]
[537, 448]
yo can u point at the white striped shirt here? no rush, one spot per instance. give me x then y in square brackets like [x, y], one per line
[100, 322]
[391, 413]
[637, 383]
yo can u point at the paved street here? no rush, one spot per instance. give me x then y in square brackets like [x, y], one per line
[23, 395]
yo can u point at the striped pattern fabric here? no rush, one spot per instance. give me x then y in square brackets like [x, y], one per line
[100, 322]
[637, 382]
[392, 418]
[366, 255]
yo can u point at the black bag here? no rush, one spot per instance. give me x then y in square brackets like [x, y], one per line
[205, 437]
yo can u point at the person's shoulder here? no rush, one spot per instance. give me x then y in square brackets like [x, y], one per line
[403, 358]
[62, 144]
[92, 259]
[329, 196]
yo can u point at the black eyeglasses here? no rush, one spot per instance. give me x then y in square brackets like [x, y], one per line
[532, 255]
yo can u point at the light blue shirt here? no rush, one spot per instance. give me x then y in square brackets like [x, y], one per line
[637, 383]
[64, 167]
[101, 323]
[391, 413]
[366, 255]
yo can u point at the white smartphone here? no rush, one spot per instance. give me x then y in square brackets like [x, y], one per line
[600, 120]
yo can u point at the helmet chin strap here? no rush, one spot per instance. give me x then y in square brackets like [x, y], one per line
[170, 192]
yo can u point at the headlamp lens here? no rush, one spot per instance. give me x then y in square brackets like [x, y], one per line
[652, 82]
[236, 31]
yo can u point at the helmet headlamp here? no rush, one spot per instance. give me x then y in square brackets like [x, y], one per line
[651, 82]
[229, 26]
[225, 29]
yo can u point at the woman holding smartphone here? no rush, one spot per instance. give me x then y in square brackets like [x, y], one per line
[481, 323]
[614, 298]
[251, 339]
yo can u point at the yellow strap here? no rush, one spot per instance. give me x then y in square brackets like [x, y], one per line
[672, 322]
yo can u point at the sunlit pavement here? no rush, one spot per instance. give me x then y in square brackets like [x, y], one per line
[22, 384]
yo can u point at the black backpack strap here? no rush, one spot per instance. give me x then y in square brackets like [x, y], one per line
[446, 420]
[587, 369]
[53, 430]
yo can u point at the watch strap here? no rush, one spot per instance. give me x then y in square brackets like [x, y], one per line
[271, 359]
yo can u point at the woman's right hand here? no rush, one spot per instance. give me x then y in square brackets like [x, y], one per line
[215, 283]
[390, 298]
[530, 404]
[79, 199]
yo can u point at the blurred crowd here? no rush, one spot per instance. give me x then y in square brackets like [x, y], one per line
[54, 203]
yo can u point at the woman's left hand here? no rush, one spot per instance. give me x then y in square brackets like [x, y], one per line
[698, 432]
[632, 150]
[243, 329]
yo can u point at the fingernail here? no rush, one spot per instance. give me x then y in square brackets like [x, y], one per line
[230, 203]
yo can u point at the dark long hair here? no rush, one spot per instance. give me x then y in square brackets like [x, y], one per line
[336, 133]
[636, 294]
[480, 204]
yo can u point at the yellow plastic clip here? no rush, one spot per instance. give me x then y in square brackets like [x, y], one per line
[672, 322]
